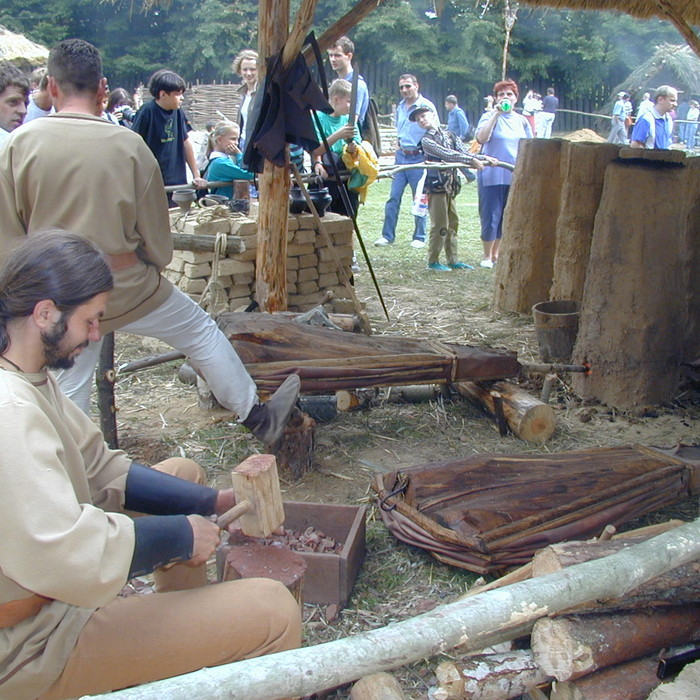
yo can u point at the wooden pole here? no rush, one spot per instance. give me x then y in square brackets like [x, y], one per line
[273, 185]
[271, 258]
[105, 392]
[471, 623]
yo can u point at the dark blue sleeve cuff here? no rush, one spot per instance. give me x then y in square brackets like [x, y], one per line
[160, 540]
[155, 493]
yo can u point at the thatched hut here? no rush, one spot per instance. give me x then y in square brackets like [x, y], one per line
[20, 51]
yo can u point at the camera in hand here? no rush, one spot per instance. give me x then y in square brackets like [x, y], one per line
[127, 112]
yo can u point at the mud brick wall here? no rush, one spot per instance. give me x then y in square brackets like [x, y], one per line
[311, 266]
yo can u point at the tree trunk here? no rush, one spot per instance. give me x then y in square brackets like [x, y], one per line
[378, 686]
[528, 418]
[582, 171]
[630, 681]
[573, 646]
[491, 676]
[271, 254]
[523, 275]
[635, 300]
[472, 623]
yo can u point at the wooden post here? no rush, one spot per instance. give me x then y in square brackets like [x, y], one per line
[271, 258]
[105, 392]
[273, 184]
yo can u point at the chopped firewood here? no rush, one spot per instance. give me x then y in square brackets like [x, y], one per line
[629, 681]
[527, 417]
[573, 646]
[378, 686]
[491, 677]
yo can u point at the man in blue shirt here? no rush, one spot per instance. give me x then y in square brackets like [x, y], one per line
[408, 151]
[654, 128]
[340, 56]
[457, 121]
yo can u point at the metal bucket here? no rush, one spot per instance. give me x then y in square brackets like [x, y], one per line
[556, 326]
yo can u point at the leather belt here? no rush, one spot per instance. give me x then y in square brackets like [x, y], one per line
[122, 261]
[15, 611]
[407, 152]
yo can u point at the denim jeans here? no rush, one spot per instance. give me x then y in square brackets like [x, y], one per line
[393, 205]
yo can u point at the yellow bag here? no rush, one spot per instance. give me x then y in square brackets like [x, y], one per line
[363, 167]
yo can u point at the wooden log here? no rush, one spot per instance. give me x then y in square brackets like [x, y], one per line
[635, 301]
[295, 449]
[675, 587]
[256, 560]
[528, 418]
[378, 686]
[582, 171]
[205, 244]
[491, 676]
[473, 623]
[572, 646]
[633, 680]
[523, 275]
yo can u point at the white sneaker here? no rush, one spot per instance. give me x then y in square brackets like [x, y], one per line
[381, 241]
[486, 263]
[415, 243]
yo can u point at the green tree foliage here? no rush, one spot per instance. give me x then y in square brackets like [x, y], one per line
[576, 51]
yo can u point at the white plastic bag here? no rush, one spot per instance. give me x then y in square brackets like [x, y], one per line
[420, 201]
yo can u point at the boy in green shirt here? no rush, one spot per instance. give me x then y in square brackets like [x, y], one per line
[338, 132]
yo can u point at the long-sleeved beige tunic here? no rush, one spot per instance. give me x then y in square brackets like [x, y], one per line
[58, 482]
[86, 175]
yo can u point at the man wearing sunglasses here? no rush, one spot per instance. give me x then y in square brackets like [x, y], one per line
[408, 150]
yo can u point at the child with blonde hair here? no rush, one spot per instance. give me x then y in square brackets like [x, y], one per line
[224, 157]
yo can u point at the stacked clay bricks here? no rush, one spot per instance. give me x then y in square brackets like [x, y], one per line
[312, 270]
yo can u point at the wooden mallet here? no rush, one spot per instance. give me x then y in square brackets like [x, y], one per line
[258, 497]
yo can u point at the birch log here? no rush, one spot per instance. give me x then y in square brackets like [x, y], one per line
[675, 587]
[491, 676]
[570, 647]
[472, 623]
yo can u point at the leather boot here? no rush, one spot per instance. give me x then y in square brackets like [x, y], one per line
[267, 420]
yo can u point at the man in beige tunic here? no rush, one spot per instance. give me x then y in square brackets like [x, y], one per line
[66, 545]
[76, 170]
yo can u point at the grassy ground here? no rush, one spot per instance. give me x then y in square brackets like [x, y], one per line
[158, 416]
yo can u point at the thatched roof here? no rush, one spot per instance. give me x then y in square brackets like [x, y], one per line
[688, 10]
[21, 51]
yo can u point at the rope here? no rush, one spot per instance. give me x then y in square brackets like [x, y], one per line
[214, 288]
